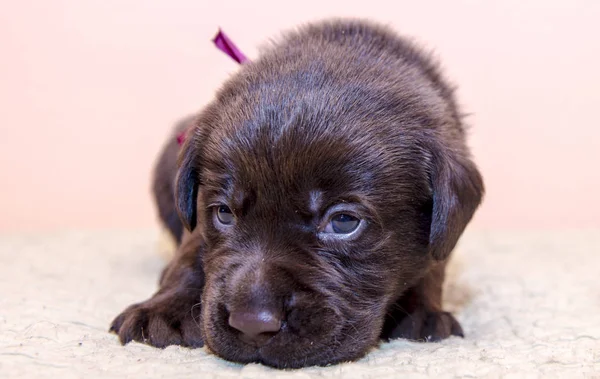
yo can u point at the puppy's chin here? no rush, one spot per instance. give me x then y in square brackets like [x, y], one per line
[314, 333]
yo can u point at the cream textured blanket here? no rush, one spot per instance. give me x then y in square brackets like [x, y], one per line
[529, 305]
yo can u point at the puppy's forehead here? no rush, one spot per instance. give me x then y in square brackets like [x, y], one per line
[293, 156]
[288, 146]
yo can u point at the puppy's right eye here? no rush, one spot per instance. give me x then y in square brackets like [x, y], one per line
[342, 223]
[224, 215]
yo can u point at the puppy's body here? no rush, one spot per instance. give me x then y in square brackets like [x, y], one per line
[339, 124]
[163, 183]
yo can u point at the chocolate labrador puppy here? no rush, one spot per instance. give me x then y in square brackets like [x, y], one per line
[321, 194]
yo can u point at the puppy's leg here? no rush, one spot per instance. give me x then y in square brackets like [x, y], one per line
[418, 314]
[172, 315]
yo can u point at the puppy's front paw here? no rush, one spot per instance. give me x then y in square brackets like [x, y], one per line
[160, 322]
[426, 326]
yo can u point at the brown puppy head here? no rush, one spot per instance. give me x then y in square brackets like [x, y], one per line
[321, 198]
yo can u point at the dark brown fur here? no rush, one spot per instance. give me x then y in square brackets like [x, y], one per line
[163, 183]
[339, 112]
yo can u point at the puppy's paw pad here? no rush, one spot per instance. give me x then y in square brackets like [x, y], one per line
[426, 326]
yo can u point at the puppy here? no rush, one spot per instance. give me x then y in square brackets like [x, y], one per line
[321, 194]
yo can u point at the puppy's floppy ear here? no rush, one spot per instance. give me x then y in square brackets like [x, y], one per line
[457, 192]
[187, 182]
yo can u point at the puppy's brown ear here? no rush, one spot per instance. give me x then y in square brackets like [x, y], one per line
[457, 192]
[186, 184]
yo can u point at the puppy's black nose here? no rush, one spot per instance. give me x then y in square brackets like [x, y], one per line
[257, 326]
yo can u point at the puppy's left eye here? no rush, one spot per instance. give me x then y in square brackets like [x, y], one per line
[224, 215]
[342, 223]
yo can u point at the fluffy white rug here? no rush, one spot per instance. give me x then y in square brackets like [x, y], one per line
[529, 305]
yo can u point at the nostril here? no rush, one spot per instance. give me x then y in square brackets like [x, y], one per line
[255, 324]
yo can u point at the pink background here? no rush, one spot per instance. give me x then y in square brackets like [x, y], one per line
[89, 90]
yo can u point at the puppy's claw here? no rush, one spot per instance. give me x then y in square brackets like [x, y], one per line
[116, 324]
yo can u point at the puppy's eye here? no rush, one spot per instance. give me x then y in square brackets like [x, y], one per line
[224, 214]
[342, 223]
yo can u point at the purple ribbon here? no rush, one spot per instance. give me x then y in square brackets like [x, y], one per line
[224, 44]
